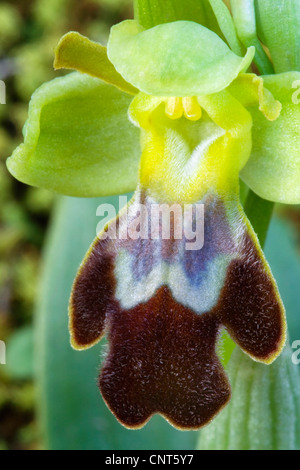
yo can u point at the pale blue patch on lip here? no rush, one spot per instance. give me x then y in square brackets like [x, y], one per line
[217, 242]
[205, 295]
[195, 277]
[200, 298]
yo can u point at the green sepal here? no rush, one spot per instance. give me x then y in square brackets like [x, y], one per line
[273, 170]
[76, 52]
[78, 139]
[174, 59]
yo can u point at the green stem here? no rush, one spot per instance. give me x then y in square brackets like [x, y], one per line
[261, 59]
[243, 12]
[143, 13]
[259, 212]
[150, 13]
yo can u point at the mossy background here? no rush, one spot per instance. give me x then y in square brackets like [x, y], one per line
[29, 31]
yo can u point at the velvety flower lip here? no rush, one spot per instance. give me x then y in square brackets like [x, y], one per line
[163, 306]
[162, 360]
[163, 315]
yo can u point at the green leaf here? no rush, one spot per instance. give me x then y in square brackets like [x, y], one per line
[174, 59]
[282, 252]
[279, 26]
[77, 52]
[264, 412]
[273, 170]
[78, 139]
[72, 412]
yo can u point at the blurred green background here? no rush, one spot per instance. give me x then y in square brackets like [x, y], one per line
[29, 31]
[65, 410]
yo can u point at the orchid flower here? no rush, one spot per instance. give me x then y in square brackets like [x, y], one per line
[194, 112]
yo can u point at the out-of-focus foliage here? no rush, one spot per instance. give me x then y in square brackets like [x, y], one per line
[29, 31]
